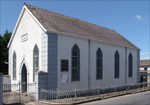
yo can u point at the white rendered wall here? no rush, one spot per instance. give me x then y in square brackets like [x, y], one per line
[108, 65]
[134, 78]
[24, 50]
[65, 44]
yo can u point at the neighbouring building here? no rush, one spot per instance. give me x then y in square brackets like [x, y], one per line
[145, 70]
[60, 52]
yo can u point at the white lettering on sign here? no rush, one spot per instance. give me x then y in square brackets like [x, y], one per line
[24, 37]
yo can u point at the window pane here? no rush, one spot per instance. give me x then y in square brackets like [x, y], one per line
[35, 61]
[75, 63]
[130, 65]
[98, 73]
[74, 52]
[98, 55]
[74, 73]
[14, 65]
[116, 65]
[99, 64]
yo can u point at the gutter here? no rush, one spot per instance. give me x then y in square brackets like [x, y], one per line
[125, 65]
[89, 64]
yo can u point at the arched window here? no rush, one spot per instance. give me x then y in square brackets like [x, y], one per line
[75, 63]
[35, 61]
[99, 64]
[14, 65]
[116, 65]
[130, 65]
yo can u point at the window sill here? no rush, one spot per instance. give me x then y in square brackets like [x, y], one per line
[99, 79]
[116, 77]
[34, 82]
[75, 80]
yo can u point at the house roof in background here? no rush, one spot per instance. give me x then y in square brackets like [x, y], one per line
[57, 23]
[145, 63]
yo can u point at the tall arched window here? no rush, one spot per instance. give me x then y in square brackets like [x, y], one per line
[130, 65]
[14, 65]
[99, 64]
[75, 63]
[116, 65]
[35, 61]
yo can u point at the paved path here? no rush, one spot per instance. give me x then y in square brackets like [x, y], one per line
[131, 99]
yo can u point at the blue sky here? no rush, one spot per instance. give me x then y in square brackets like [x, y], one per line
[129, 18]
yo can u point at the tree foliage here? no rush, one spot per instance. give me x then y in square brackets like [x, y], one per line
[4, 39]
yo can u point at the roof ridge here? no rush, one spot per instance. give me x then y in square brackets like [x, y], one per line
[72, 18]
[91, 26]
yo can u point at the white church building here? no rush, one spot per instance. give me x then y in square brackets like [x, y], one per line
[60, 52]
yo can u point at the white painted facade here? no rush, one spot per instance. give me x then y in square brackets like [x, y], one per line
[24, 50]
[53, 48]
[65, 44]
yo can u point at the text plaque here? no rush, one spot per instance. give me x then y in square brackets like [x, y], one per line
[24, 37]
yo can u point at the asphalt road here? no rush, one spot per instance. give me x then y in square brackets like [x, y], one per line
[131, 99]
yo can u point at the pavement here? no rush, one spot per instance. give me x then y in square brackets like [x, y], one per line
[131, 99]
[142, 98]
[13, 97]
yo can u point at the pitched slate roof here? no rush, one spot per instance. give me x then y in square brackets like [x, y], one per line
[145, 63]
[54, 22]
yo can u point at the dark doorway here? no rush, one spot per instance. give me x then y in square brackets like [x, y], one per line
[24, 79]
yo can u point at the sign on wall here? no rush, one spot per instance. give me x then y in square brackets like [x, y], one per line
[64, 78]
[64, 65]
[24, 37]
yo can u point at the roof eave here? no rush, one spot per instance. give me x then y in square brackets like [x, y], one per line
[16, 26]
[18, 22]
[63, 33]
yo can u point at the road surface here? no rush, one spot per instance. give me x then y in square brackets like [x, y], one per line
[131, 99]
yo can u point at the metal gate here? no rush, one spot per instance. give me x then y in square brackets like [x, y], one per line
[13, 93]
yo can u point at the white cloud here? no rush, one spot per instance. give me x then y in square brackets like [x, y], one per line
[139, 17]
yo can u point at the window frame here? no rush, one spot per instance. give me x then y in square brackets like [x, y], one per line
[35, 61]
[130, 65]
[14, 65]
[77, 59]
[116, 64]
[99, 59]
